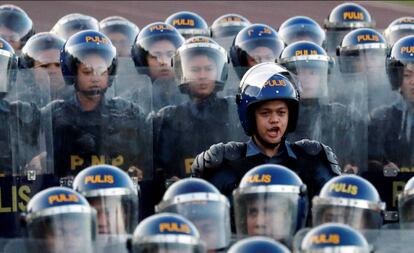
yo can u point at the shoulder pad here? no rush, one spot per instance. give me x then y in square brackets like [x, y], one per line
[167, 111]
[55, 104]
[311, 147]
[380, 113]
[120, 105]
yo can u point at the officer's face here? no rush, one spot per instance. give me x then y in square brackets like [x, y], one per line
[121, 43]
[110, 215]
[259, 55]
[92, 74]
[47, 69]
[310, 80]
[202, 73]
[271, 121]
[64, 237]
[407, 86]
[207, 230]
[159, 59]
[12, 37]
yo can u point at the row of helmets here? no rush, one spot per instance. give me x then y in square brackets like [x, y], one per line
[193, 215]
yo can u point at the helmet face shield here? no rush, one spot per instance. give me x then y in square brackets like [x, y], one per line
[73, 23]
[363, 61]
[167, 248]
[6, 71]
[18, 24]
[306, 32]
[261, 50]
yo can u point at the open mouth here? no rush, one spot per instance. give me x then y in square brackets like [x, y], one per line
[273, 132]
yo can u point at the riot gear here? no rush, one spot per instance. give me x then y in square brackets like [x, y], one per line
[73, 23]
[228, 25]
[301, 28]
[16, 27]
[398, 29]
[189, 24]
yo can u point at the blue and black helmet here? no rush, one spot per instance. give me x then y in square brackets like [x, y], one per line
[82, 44]
[279, 200]
[72, 23]
[52, 211]
[348, 16]
[256, 244]
[334, 237]
[166, 232]
[111, 191]
[400, 56]
[399, 28]
[301, 28]
[351, 200]
[228, 25]
[204, 205]
[264, 82]
[7, 58]
[16, 20]
[189, 24]
[362, 39]
[406, 205]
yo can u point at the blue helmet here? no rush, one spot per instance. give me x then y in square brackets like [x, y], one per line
[399, 28]
[199, 45]
[334, 237]
[113, 25]
[406, 205]
[228, 25]
[264, 82]
[62, 213]
[301, 28]
[304, 58]
[271, 201]
[7, 58]
[72, 23]
[189, 24]
[81, 45]
[201, 203]
[112, 192]
[18, 22]
[166, 232]
[258, 244]
[348, 16]
[400, 56]
[351, 200]
[255, 44]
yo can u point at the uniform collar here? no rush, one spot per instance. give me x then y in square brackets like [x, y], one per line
[253, 149]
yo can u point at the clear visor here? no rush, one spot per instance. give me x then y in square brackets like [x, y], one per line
[167, 248]
[96, 61]
[67, 28]
[262, 50]
[355, 217]
[406, 211]
[116, 214]
[363, 61]
[304, 32]
[6, 72]
[395, 34]
[273, 215]
[14, 25]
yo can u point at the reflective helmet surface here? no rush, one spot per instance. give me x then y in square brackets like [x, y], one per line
[189, 24]
[398, 29]
[348, 16]
[351, 200]
[166, 232]
[8, 67]
[201, 203]
[64, 215]
[121, 31]
[334, 237]
[187, 69]
[15, 24]
[301, 28]
[228, 25]
[265, 82]
[311, 65]
[270, 201]
[82, 44]
[73, 23]
[258, 244]
[406, 205]
[400, 56]
[112, 192]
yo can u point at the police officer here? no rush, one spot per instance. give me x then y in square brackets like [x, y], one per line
[313, 67]
[341, 20]
[258, 244]
[270, 201]
[268, 105]
[399, 28]
[189, 24]
[201, 203]
[90, 128]
[113, 194]
[350, 200]
[201, 71]
[255, 44]
[61, 218]
[391, 127]
[72, 23]
[121, 32]
[40, 66]
[299, 28]
[333, 237]
[152, 53]
[167, 233]
[16, 27]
